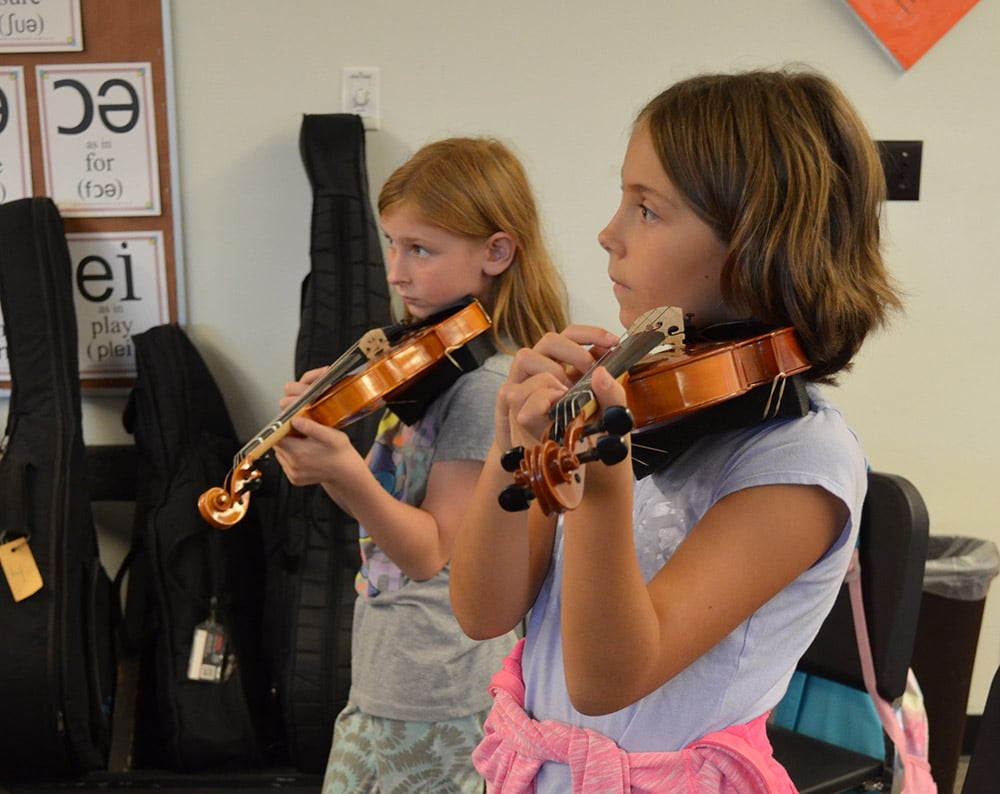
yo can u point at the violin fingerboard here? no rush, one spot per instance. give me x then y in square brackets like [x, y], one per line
[651, 330]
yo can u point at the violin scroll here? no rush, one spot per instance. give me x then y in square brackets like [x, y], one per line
[224, 507]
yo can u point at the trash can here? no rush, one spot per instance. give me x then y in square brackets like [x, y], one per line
[956, 578]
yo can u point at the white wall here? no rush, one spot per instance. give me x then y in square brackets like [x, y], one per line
[561, 82]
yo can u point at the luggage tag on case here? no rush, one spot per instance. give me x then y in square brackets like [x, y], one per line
[209, 659]
[19, 567]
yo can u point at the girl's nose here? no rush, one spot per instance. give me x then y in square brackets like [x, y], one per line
[393, 271]
[602, 239]
[606, 237]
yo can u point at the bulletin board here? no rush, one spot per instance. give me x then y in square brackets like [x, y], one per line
[97, 119]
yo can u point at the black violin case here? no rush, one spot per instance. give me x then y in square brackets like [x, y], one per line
[313, 545]
[57, 654]
[185, 577]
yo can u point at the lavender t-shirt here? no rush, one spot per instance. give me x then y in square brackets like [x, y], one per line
[746, 674]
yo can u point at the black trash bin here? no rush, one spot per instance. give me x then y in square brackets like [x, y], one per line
[957, 576]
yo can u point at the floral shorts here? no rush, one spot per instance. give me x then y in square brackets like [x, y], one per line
[375, 754]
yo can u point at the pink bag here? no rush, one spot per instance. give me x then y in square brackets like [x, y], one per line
[910, 737]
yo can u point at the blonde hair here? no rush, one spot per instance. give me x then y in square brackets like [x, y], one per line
[475, 187]
[781, 166]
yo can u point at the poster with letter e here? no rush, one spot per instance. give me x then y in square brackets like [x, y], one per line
[119, 290]
[98, 131]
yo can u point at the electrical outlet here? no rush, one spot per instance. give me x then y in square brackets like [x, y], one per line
[901, 163]
[359, 93]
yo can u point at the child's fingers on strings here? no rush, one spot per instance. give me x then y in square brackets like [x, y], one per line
[576, 348]
[294, 388]
[591, 335]
[311, 375]
[524, 405]
[531, 412]
[533, 362]
[607, 389]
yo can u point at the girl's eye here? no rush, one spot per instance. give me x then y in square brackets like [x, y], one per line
[419, 250]
[646, 213]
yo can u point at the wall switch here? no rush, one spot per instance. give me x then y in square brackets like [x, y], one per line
[901, 163]
[359, 94]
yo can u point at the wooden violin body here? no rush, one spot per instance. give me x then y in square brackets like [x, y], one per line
[661, 387]
[357, 395]
[665, 386]
[344, 393]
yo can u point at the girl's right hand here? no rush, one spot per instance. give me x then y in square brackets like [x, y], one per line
[540, 376]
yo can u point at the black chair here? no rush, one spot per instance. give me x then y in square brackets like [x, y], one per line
[892, 551]
[983, 774]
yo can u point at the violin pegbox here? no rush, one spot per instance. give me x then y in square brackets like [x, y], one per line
[551, 473]
[224, 507]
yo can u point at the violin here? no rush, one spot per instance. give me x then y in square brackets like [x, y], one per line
[665, 379]
[377, 369]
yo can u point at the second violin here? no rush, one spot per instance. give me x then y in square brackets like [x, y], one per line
[378, 369]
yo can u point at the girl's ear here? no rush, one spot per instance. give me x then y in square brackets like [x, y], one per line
[500, 250]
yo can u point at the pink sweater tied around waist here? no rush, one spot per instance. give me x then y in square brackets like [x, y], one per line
[737, 759]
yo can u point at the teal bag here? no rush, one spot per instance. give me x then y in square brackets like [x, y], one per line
[833, 712]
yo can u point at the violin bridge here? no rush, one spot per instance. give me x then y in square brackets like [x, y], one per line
[374, 344]
[668, 320]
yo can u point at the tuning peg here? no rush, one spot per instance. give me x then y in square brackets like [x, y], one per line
[616, 419]
[249, 486]
[608, 449]
[511, 459]
[514, 498]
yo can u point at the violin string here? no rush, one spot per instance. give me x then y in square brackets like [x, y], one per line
[647, 447]
[348, 361]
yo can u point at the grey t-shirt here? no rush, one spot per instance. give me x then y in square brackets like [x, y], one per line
[410, 659]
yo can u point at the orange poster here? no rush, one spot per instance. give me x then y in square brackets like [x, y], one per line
[908, 28]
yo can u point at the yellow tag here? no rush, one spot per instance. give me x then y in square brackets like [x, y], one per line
[19, 567]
